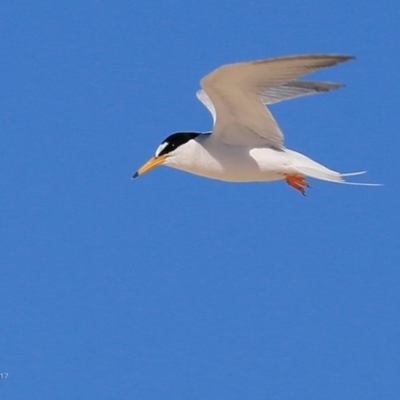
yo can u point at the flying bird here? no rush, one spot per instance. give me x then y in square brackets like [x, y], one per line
[246, 143]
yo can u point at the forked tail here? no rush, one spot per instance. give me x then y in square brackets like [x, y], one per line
[326, 174]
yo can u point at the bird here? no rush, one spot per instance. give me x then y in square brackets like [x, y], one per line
[246, 143]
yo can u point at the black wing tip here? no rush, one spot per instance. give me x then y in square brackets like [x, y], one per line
[337, 57]
[330, 86]
[317, 85]
[344, 57]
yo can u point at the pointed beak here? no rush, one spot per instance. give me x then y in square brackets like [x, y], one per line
[152, 163]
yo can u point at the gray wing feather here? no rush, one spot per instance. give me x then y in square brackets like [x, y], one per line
[295, 89]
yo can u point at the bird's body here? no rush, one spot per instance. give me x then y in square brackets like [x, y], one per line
[205, 157]
[246, 144]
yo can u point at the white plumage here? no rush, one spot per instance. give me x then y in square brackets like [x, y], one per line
[246, 143]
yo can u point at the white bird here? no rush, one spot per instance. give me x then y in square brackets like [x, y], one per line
[246, 144]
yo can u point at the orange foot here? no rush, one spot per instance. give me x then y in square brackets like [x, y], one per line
[297, 182]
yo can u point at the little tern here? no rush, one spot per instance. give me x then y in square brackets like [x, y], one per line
[246, 143]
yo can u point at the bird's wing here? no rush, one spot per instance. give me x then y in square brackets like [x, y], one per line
[202, 96]
[295, 89]
[235, 94]
[274, 95]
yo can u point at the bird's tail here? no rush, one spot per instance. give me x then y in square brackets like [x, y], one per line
[325, 174]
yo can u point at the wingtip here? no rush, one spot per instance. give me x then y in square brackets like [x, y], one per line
[347, 57]
[339, 58]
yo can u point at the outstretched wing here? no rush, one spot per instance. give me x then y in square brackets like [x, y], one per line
[236, 95]
[274, 95]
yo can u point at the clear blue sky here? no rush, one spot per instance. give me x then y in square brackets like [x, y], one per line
[173, 286]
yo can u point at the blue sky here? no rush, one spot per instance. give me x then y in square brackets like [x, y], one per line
[173, 286]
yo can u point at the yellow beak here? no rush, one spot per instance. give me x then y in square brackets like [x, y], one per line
[152, 163]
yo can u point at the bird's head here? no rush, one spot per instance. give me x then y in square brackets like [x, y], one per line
[167, 151]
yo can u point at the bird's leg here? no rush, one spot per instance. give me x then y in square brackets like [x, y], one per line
[297, 182]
